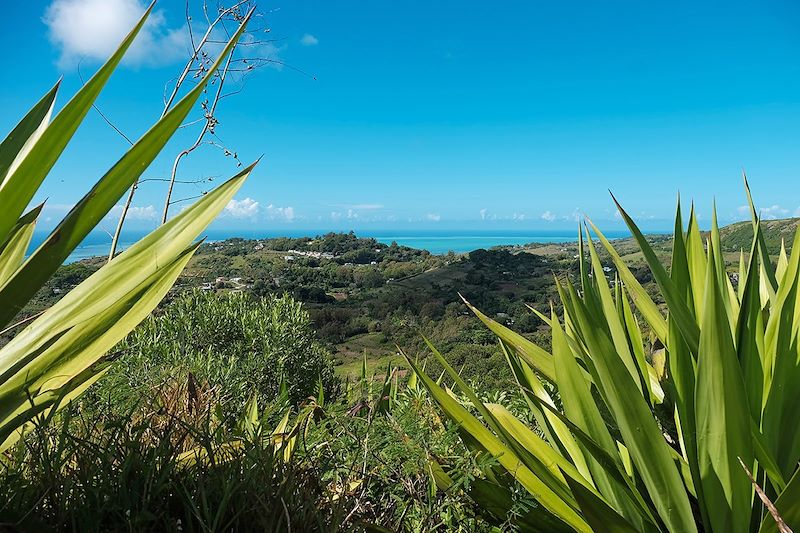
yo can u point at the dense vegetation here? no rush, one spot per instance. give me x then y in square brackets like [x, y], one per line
[190, 374]
[673, 433]
[650, 385]
[175, 435]
[235, 344]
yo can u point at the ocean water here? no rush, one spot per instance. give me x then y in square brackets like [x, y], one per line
[461, 242]
[436, 242]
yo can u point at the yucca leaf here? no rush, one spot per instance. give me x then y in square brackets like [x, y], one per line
[549, 458]
[638, 294]
[17, 144]
[384, 400]
[679, 267]
[554, 429]
[512, 435]
[640, 433]
[40, 410]
[742, 275]
[614, 324]
[534, 355]
[782, 369]
[788, 505]
[723, 433]
[780, 412]
[12, 251]
[697, 264]
[91, 209]
[40, 384]
[635, 336]
[588, 284]
[124, 274]
[683, 372]
[539, 314]
[685, 470]
[493, 498]
[499, 502]
[581, 408]
[688, 256]
[676, 303]
[18, 187]
[598, 513]
[612, 464]
[783, 262]
[492, 445]
[750, 334]
[769, 283]
[765, 459]
[727, 292]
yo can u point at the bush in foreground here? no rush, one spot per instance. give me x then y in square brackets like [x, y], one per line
[234, 345]
[161, 469]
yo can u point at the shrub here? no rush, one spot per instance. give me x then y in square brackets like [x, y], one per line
[237, 344]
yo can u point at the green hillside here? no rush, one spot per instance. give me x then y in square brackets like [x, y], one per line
[739, 236]
[364, 295]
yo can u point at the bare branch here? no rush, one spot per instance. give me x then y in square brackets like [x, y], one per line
[102, 115]
[189, 198]
[209, 126]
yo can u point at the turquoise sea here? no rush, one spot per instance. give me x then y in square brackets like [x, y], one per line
[436, 242]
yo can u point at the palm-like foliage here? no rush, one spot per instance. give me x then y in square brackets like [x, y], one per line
[723, 365]
[60, 353]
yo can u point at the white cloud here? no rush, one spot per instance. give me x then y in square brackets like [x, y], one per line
[548, 216]
[142, 213]
[433, 217]
[367, 207]
[309, 40]
[350, 214]
[280, 213]
[243, 209]
[772, 212]
[269, 53]
[769, 213]
[359, 207]
[575, 216]
[518, 217]
[483, 213]
[93, 29]
[135, 212]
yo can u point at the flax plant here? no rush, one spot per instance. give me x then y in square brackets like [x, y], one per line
[720, 358]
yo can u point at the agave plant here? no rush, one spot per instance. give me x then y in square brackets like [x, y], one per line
[60, 353]
[720, 360]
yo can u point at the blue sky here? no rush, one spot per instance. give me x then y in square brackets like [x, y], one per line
[517, 114]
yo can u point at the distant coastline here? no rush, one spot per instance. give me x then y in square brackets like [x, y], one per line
[436, 242]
